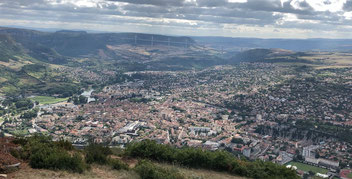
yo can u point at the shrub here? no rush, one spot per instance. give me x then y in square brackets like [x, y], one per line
[96, 153]
[44, 153]
[217, 160]
[56, 159]
[64, 144]
[148, 170]
[118, 164]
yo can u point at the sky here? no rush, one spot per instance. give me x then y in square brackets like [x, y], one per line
[232, 18]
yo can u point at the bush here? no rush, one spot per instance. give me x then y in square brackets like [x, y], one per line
[55, 159]
[96, 153]
[44, 153]
[64, 144]
[118, 164]
[151, 150]
[198, 158]
[148, 170]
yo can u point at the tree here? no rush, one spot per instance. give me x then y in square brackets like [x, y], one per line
[79, 118]
[311, 173]
[79, 100]
[317, 155]
[237, 140]
[30, 114]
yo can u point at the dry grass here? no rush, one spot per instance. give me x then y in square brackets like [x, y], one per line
[2, 80]
[330, 59]
[96, 172]
[201, 173]
[15, 65]
[106, 172]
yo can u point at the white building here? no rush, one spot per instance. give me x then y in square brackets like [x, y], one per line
[309, 151]
[130, 127]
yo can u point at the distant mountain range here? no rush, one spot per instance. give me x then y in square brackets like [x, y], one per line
[80, 43]
[241, 44]
[32, 60]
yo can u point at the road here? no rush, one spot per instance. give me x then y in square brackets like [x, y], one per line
[179, 136]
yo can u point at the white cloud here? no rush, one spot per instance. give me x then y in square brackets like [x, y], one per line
[260, 18]
[348, 15]
[327, 5]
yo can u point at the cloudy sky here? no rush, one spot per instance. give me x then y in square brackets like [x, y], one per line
[235, 18]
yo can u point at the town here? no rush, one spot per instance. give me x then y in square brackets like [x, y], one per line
[288, 115]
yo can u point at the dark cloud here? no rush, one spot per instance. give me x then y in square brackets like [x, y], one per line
[348, 5]
[212, 3]
[202, 14]
[154, 2]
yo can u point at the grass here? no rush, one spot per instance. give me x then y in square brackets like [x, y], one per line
[95, 173]
[307, 168]
[199, 173]
[8, 89]
[20, 132]
[98, 171]
[2, 80]
[48, 99]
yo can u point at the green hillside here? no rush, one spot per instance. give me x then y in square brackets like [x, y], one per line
[144, 160]
[9, 49]
[60, 63]
[41, 63]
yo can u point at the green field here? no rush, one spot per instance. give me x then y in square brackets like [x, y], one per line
[20, 132]
[307, 168]
[48, 100]
[349, 175]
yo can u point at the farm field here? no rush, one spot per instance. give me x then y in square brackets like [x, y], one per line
[48, 99]
[307, 168]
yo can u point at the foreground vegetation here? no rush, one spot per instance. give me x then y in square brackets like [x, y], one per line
[198, 158]
[101, 171]
[42, 153]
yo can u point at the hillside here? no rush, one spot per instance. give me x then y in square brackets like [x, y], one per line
[37, 155]
[48, 63]
[82, 44]
[238, 44]
[269, 55]
[9, 48]
[37, 62]
[98, 171]
[282, 56]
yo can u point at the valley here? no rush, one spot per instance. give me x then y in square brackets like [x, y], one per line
[272, 105]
